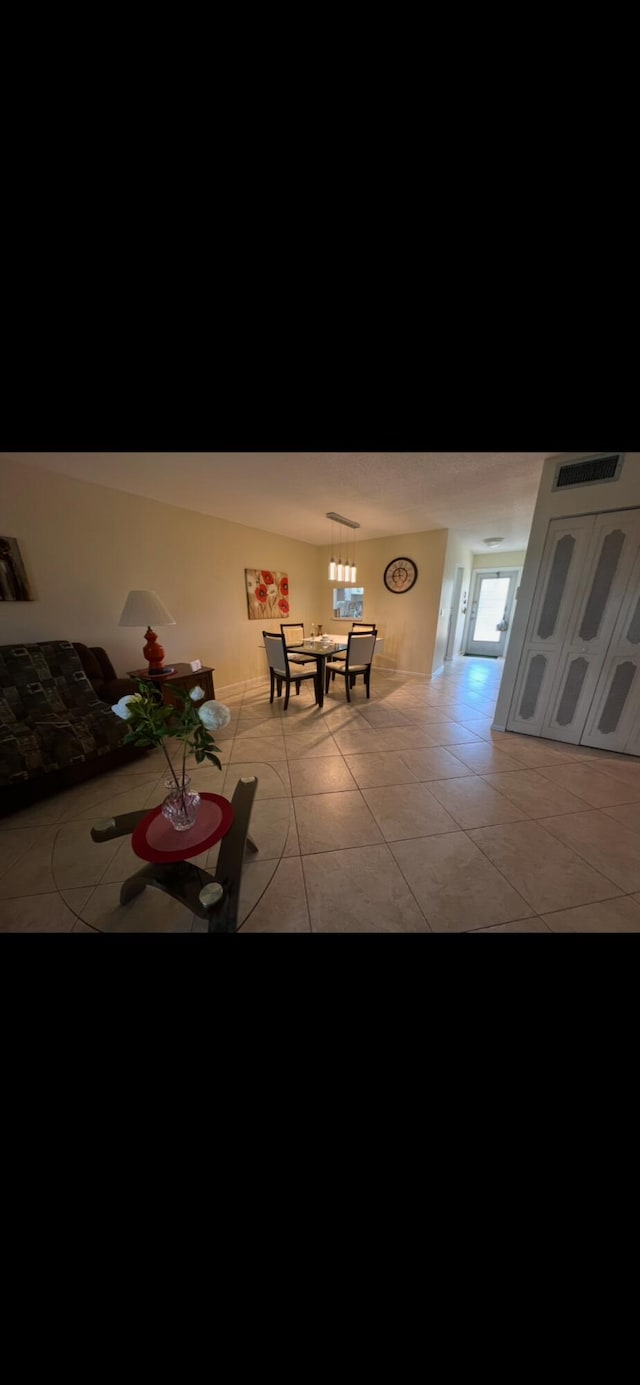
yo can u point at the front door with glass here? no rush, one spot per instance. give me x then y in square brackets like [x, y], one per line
[491, 604]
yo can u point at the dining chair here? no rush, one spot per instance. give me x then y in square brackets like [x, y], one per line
[294, 634]
[281, 671]
[355, 625]
[360, 650]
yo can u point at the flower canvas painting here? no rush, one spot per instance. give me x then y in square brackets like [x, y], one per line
[267, 594]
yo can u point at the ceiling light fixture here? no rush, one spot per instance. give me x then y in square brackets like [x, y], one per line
[491, 543]
[332, 561]
[341, 572]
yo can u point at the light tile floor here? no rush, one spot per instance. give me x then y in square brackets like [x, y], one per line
[400, 814]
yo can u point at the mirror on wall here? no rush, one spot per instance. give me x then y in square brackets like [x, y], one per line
[348, 603]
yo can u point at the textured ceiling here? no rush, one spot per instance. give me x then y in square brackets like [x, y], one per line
[479, 494]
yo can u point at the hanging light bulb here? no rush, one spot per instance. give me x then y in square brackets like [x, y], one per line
[332, 561]
[353, 565]
[340, 571]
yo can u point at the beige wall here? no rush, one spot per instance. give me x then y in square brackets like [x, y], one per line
[85, 547]
[498, 560]
[408, 621]
[457, 555]
[550, 504]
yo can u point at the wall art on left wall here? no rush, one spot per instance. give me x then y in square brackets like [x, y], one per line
[267, 594]
[14, 583]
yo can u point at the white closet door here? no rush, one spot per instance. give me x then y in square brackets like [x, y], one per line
[613, 722]
[613, 550]
[566, 552]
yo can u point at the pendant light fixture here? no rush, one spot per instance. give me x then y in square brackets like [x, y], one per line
[332, 561]
[342, 571]
[353, 565]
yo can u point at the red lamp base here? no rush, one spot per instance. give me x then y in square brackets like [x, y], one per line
[154, 654]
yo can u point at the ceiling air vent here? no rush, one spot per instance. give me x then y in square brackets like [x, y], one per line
[588, 472]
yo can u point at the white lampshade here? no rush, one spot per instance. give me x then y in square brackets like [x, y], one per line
[145, 608]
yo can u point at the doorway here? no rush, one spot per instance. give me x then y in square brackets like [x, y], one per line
[490, 614]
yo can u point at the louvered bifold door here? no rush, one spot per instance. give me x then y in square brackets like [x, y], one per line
[566, 554]
[613, 722]
[613, 549]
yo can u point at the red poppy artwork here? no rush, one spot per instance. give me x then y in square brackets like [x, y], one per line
[267, 593]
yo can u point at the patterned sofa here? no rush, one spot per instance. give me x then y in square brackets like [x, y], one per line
[54, 728]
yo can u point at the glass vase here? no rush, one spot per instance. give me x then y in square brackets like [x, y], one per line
[180, 807]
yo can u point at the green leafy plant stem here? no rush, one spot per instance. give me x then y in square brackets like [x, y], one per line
[151, 723]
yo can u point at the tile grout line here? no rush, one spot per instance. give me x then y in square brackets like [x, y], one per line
[304, 878]
[463, 930]
[22, 853]
[282, 857]
[409, 887]
[501, 872]
[597, 869]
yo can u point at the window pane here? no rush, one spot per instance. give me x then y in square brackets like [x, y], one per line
[493, 599]
[348, 603]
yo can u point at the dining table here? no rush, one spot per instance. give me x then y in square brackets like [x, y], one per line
[322, 652]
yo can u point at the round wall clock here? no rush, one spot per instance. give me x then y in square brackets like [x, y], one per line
[400, 575]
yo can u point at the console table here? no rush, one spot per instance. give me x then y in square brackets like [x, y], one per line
[183, 678]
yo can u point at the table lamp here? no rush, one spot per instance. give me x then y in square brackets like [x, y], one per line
[141, 608]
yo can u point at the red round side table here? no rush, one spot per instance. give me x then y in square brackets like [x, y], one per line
[168, 854]
[154, 839]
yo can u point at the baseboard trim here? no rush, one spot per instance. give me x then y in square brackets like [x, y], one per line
[409, 672]
[233, 689]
